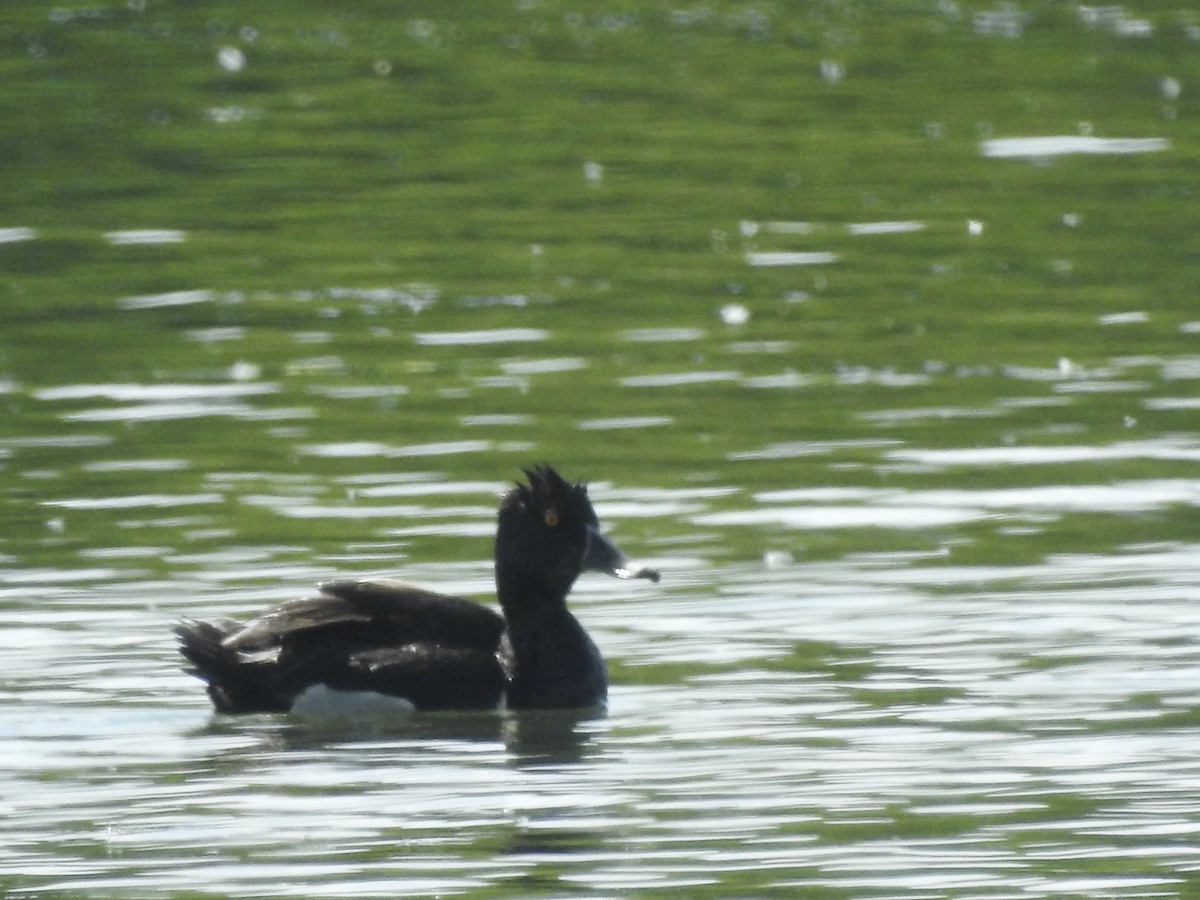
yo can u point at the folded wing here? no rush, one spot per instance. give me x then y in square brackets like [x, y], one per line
[434, 650]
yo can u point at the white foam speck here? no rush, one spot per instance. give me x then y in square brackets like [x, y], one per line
[735, 314]
[231, 59]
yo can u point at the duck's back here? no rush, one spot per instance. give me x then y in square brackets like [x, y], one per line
[433, 650]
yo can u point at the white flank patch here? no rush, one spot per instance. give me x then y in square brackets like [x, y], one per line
[323, 702]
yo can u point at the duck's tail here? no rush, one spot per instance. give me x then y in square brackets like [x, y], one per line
[237, 682]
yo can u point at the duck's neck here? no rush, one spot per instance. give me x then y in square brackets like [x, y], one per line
[548, 657]
[529, 603]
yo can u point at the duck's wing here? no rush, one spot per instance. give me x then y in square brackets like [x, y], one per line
[393, 613]
[435, 650]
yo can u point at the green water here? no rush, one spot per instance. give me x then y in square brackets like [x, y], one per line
[267, 275]
[441, 164]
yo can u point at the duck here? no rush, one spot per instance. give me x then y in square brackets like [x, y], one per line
[427, 650]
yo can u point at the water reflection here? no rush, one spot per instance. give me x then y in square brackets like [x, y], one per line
[1161, 448]
[170, 298]
[537, 738]
[476, 338]
[12, 235]
[620, 422]
[145, 236]
[1060, 145]
[371, 448]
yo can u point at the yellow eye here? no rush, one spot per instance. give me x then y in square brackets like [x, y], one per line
[551, 518]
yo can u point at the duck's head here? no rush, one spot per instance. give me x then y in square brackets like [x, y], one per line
[549, 533]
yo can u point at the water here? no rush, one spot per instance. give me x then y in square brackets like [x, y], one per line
[872, 328]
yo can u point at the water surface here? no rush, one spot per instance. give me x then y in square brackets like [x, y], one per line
[874, 328]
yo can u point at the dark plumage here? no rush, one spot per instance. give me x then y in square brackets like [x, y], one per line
[433, 650]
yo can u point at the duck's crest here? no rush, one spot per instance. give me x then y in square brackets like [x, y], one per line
[545, 489]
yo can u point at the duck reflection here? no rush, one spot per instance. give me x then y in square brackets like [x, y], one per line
[552, 736]
[529, 738]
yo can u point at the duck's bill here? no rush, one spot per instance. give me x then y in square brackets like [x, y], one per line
[604, 556]
[638, 572]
